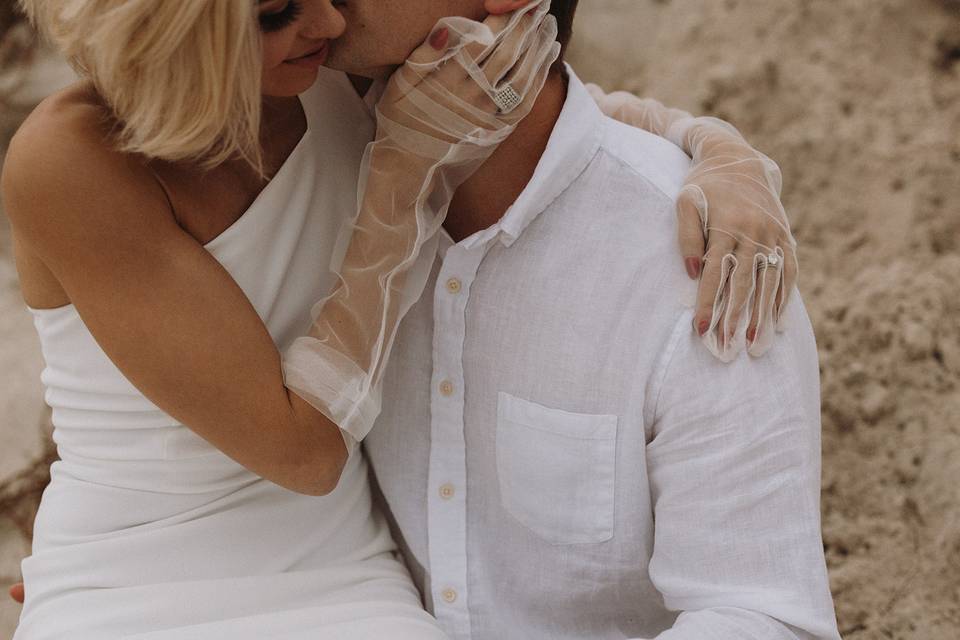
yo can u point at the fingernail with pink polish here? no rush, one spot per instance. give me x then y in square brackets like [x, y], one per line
[703, 326]
[693, 267]
[439, 39]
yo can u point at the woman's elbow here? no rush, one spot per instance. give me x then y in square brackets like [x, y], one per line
[308, 459]
[318, 474]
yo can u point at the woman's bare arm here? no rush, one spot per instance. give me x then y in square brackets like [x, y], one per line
[162, 308]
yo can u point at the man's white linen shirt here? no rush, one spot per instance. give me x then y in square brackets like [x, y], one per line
[561, 456]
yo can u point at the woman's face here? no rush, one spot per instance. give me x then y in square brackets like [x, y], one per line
[295, 36]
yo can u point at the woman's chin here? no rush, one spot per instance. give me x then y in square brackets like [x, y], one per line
[289, 82]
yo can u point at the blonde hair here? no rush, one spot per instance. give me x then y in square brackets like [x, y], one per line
[182, 77]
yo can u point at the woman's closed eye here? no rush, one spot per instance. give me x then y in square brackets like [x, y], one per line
[277, 20]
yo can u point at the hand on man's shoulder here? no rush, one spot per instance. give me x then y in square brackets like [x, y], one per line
[657, 159]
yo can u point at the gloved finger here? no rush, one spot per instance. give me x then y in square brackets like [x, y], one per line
[742, 282]
[498, 25]
[434, 48]
[446, 85]
[790, 270]
[505, 56]
[715, 338]
[710, 295]
[761, 327]
[451, 99]
[525, 55]
[691, 212]
[773, 174]
[428, 68]
[469, 87]
[452, 35]
[529, 75]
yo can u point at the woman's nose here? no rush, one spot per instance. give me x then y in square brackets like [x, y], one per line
[324, 22]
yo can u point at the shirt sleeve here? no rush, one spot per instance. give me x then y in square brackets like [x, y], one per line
[734, 470]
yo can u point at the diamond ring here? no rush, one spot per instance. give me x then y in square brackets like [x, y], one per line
[507, 99]
[773, 259]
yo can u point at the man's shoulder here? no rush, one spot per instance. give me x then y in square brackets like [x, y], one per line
[655, 159]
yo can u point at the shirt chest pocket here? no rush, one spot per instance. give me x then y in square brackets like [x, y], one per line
[557, 470]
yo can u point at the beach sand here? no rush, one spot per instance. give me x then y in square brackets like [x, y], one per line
[859, 102]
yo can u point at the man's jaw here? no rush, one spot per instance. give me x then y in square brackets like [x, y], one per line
[340, 59]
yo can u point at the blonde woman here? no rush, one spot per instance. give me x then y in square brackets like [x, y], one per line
[175, 217]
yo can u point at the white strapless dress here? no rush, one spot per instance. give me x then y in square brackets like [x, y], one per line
[146, 531]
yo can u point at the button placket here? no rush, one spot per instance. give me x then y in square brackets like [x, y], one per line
[446, 508]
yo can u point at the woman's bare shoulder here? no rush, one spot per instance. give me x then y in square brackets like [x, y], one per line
[63, 125]
[61, 165]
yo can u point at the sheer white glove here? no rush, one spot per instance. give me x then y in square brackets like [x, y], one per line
[441, 116]
[731, 204]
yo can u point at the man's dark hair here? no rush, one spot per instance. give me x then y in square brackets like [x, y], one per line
[564, 11]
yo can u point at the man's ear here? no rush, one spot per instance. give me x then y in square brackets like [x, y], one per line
[498, 7]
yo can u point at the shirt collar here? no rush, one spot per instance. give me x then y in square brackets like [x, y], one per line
[573, 144]
[575, 140]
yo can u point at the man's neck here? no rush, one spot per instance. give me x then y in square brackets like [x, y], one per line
[481, 201]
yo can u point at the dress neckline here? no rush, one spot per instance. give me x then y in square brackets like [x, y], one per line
[254, 208]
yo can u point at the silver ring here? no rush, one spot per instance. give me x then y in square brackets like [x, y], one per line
[507, 99]
[773, 259]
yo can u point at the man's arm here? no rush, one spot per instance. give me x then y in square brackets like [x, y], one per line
[735, 479]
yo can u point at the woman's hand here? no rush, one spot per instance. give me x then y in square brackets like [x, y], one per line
[452, 97]
[733, 230]
[441, 116]
[732, 198]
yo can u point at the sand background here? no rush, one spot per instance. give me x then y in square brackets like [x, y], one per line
[859, 101]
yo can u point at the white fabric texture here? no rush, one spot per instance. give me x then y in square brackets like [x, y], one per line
[433, 131]
[562, 458]
[146, 530]
[751, 258]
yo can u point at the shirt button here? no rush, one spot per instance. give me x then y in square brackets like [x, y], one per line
[454, 285]
[449, 595]
[446, 388]
[447, 491]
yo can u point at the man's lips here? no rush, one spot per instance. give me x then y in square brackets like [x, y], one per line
[313, 58]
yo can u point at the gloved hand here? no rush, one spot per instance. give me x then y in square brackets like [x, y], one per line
[441, 116]
[731, 205]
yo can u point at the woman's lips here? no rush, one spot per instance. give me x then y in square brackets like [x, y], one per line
[313, 60]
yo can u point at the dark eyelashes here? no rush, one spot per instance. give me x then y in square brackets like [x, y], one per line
[280, 19]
